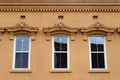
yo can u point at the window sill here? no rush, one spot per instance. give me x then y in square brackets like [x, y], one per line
[60, 71]
[98, 71]
[20, 71]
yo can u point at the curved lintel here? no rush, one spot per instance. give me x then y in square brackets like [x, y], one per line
[98, 29]
[22, 28]
[60, 28]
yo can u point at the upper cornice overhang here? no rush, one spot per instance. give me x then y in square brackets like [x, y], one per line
[59, 7]
[61, 4]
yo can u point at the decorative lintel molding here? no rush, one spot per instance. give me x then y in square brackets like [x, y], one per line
[72, 9]
[118, 30]
[60, 28]
[2, 30]
[99, 29]
[22, 28]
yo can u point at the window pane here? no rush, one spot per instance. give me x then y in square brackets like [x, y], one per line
[21, 60]
[101, 60]
[98, 60]
[60, 43]
[94, 60]
[93, 44]
[93, 47]
[22, 43]
[100, 47]
[60, 60]
[97, 43]
[57, 43]
[64, 44]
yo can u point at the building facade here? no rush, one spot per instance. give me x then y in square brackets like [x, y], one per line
[60, 41]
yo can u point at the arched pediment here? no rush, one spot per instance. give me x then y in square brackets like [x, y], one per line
[97, 29]
[60, 28]
[22, 28]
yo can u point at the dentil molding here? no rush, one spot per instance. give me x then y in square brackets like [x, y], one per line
[58, 10]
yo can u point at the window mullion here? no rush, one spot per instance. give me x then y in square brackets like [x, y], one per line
[60, 51]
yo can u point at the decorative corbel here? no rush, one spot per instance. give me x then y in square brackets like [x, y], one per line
[109, 36]
[60, 28]
[72, 36]
[2, 30]
[118, 30]
[85, 36]
[33, 36]
[48, 37]
[11, 36]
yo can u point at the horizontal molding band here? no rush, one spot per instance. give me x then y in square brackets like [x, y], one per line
[57, 10]
[63, 4]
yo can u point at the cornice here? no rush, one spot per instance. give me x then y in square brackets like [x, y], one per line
[59, 7]
[97, 29]
[63, 4]
[60, 29]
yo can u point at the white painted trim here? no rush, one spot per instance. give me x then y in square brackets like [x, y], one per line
[68, 54]
[105, 57]
[14, 54]
[105, 54]
[29, 59]
[13, 67]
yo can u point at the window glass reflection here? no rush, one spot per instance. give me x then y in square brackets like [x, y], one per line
[97, 43]
[22, 43]
[60, 51]
[60, 43]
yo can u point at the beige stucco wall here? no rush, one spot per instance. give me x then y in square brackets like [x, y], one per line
[41, 50]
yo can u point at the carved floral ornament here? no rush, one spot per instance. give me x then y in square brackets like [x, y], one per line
[60, 28]
[22, 28]
[98, 29]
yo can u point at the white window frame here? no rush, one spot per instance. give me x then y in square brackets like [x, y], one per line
[68, 54]
[104, 52]
[14, 53]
